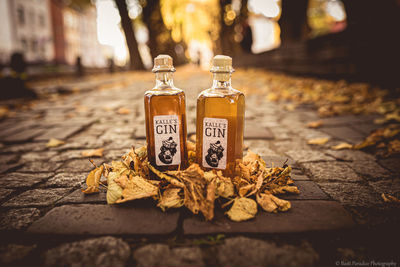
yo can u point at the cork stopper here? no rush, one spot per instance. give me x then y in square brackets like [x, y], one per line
[222, 63]
[163, 63]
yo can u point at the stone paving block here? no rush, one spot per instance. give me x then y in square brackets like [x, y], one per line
[308, 191]
[106, 219]
[389, 186]
[260, 147]
[345, 133]
[4, 193]
[8, 158]
[9, 167]
[60, 133]
[348, 120]
[77, 197]
[15, 254]
[391, 164]
[38, 156]
[352, 194]
[65, 179]
[154, 255]
[15, 127]
[280, 133]
[257, 131]
[37, 197]
[331, 171]
[310, 215]
[17, 219]
[24, 135]
[21, 180]
[365, 128]
[79, 165]
[243, 251]
[279, 161]
[299, 177]
[140, 132]
[287, 145]
[105, 251]
[301, 156]
[40, 166]
[369, 169]
[350, 155]
[26, 147]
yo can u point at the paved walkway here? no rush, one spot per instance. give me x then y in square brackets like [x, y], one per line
[338, 217]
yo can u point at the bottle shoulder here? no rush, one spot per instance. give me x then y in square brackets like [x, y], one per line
[164, 91]
[220, 92]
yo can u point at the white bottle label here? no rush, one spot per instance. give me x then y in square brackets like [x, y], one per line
[166, 138]
[215, 137]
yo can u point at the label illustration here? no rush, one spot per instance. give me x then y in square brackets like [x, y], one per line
[166, 138]
[215, 136]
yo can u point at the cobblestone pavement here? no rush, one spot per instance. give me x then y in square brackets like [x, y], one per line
[45, 219]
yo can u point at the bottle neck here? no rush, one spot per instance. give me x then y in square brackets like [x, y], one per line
[164, 79]
[221, 80]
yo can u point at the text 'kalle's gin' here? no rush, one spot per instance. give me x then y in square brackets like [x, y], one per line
[165, 112]
[220, 121]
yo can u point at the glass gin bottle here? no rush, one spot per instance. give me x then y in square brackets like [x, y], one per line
[220, 120]
[165, 112]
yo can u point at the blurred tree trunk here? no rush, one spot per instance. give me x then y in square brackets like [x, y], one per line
[160, 39]
[134, 55]
[293, 21]
[227, 44]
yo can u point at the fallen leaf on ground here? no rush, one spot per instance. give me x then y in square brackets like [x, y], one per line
[137, 188]
[243, 209]
[318, 141]
[123, 111]
[341, 146]
[271, 203]
[93, 152]
[171, 199]
[53, 142]
[388, 198]
[315, 124]
[93, 180]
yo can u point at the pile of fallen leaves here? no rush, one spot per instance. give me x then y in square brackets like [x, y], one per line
[199, 191]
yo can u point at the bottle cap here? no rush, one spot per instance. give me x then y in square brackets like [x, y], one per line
[163, 63]
[222, 63]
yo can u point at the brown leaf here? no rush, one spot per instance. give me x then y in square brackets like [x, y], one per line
[137, 188]
[93, 153]
[171, 199]
[271, 203]
[284, 189]
[93, 180]
[342, 145]
[53, 142]
[389, 198]
[315, 124]
[318, 141]
[123, 111]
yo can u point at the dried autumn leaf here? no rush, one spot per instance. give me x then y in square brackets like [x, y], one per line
[271, 203]
[225, 187]
[93, 180]
[318, 141]
[171, 199]
[137, 188]
[389, 198]
[315, 124]
[114, 191]
[165, 176]
[93, 153]
[53, 142]
[123, 111]
[243, 209]
[342, 145]
[284, 189]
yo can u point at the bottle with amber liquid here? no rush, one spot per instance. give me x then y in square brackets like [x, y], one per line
[165, 112]
[220, 121]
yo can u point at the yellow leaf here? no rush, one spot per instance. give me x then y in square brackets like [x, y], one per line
[285, 189]
[388, 198]
[343, 145]
[243, 209]
[318, 141]
[171, 199]
[271, 203]
[137, 188]
[315, 124]
[93, 180]
[225, 187]
[123, 111]
[93, 152]
[53, 142]
[114, 191]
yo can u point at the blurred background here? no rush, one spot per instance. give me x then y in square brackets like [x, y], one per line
[356, 40]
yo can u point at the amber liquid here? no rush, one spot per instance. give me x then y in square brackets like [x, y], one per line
[224, 104]
[165, 102]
